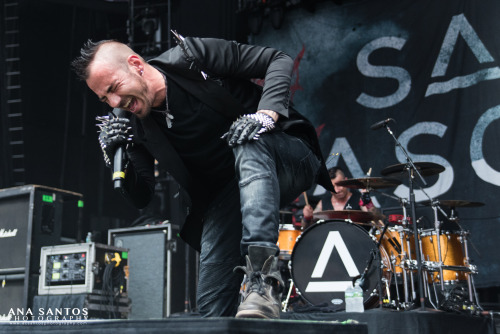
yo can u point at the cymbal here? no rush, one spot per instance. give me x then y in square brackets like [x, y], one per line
[369, 182]
[454, 203]
[357, 216]
[425, 168]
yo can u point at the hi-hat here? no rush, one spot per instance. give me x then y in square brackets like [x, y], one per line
[356, 216]
[454, 203]
[424, 168]
[369, 183]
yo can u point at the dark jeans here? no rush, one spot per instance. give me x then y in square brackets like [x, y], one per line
[272, 172]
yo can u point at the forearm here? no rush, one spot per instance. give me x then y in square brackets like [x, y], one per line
[227, 59]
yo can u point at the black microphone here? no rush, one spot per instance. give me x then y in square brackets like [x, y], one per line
[381, 124]
[119, 158]
[118, 170]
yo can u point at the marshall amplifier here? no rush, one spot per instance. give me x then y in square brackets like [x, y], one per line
[31, 217]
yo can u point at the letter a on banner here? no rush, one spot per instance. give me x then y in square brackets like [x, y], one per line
[333, 239]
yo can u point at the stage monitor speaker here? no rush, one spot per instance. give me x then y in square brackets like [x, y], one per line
[31, 217]
[162, 270]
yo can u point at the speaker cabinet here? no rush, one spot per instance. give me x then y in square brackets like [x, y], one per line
[162, 270]
[31, 216]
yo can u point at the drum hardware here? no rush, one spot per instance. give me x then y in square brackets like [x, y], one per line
[409, 169]
[455, 268]
[396, 242]
[398, 297]
[429, 295]
[284, 304]
[373, 254]
[408, 264]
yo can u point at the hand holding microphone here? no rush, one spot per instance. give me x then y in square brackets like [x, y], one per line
[115, 134]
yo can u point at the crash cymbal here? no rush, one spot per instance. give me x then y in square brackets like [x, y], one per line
[425, 168]
[369, 183]
[454, 203]
[357, 216]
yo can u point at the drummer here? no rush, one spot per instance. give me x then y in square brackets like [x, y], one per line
[343, 199]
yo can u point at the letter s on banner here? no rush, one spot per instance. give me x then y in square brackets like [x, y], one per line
[393, 72]
[481, 167]
[445, 180]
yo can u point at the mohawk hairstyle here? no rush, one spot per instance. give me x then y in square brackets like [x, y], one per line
[80, 65]
[332, 172]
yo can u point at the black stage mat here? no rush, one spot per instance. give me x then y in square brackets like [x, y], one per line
[374, 321]
[386, 321]
[184, 326]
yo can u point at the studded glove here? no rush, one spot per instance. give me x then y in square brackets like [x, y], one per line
[114, 131]
[248, 127]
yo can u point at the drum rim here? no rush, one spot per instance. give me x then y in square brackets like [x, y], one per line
[288, 227]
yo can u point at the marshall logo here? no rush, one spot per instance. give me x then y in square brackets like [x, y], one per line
[8, 233]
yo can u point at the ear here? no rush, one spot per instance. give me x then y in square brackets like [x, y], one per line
[136, 64]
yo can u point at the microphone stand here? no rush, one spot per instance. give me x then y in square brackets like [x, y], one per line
[410, 166]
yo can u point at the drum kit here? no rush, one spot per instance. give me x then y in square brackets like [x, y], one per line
[329, 255]
[400, 263]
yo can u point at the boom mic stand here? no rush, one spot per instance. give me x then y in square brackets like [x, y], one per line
[412, 169]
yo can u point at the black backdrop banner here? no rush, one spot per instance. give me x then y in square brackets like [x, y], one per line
[431, 66]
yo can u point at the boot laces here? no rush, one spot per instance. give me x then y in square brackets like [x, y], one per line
[255, 281]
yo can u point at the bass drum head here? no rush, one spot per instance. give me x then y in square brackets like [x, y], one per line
[326, 258]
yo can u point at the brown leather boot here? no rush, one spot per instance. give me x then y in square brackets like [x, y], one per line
[263, 284]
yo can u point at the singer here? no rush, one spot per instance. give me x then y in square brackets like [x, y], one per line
[223, 138]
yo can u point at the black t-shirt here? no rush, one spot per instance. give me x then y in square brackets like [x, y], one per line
[352, 203]
[195, 135]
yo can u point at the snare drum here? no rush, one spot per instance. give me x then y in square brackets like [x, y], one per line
[286, 241]
[451, 254]
[326, 258]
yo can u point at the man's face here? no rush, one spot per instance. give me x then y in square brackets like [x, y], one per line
[342, 192]
[120, 86]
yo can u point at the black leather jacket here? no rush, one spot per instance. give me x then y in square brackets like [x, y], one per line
[218, 73]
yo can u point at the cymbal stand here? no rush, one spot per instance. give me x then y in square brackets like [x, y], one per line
[405, 258]
[412, 169]
[472, 269]
[437, 229]
[393, 265]
[406, 304]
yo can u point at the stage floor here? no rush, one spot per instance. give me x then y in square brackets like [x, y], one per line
[372, 322]
[386, 321]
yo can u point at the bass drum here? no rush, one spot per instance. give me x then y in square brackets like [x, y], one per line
[326, 258]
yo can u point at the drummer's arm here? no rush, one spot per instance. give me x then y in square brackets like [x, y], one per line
[366, 204]
[307, 214]
[319, 207]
